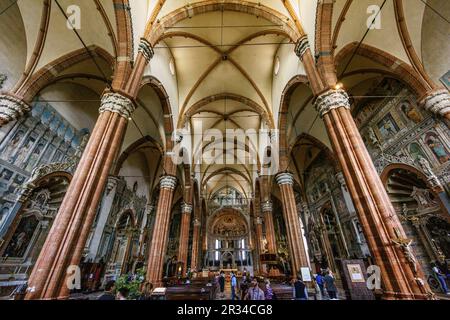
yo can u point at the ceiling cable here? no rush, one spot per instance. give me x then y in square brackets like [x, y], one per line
[105, 78]
[435, 11]
[363, 38]
[8, 7]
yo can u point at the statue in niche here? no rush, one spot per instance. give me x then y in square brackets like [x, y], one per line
[426, 167]
[3, 213]
[5, 176]
[440, 233]
[23, 152]
[12, 146]
[265, 245]
[420, 197]
[34, 157]
[410, 112]
[437, 148]
[22, 237]
[373, 138]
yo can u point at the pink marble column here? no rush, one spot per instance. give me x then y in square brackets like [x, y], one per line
[299, 256]
[160, 235]
[186, 211]
[66, 239]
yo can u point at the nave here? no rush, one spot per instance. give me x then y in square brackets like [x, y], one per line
[156, 144]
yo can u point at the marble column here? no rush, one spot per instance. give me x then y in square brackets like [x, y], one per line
[401, 275]
[195, 244]
[258, 242]
[267, 208]
[158, 246]
[66, 240]
[186, 211]
[299, 256]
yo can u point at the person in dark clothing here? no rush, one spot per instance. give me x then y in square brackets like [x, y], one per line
[108, 293]
[330, 285]
[300, 289]
[222, 282]
[244, 287]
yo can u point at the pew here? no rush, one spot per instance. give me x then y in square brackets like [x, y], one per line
[189, 292]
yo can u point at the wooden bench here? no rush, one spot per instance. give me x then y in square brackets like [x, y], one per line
[189, 292]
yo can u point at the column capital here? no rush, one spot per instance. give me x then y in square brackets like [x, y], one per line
[12, 108]
[146, 49]
[285, 178]
[186, 208]
[197, 222]
[437, 102]
[258, 221]
[267, 206]
[149, 208]
[111, 183]
[168, 182]
[331, 99]
[117, 103]
[301, 46]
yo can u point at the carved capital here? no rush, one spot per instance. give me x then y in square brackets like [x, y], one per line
[12, 108]
[258, 221]
[146, 49]
[332, 99]
[111, 183]
[438, 102]
[197, 222]
[267, 206]
[117, 103]
[285, 178]
[149, 208]
[168, 182]
[186, 208]
[301, 46]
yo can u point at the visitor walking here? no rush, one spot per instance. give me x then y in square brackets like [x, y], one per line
[255, 292]
[300, 290]
[108, 293]
[244, 286]
[233, 286]
[269, 291]
[222, 282]
[122, 294]
[330, 285]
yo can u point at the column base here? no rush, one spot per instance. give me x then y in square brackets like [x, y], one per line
[390, 295]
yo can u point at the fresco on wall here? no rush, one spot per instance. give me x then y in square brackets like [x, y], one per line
[437, 147]
[410, 112]
[445, 79]
[40, 138]
[388, 128]
[416, 151]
